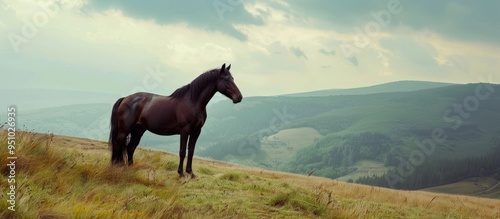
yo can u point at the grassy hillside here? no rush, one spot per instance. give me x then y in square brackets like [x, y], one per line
[328, 135]
[281, 147]
[488, 187]
[63, 177]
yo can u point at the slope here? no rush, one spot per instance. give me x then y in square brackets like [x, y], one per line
[60, 177]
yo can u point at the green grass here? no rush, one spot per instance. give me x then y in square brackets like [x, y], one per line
[55, 181]
[62, 177]
[282, 146]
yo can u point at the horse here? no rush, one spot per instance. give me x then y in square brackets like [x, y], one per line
[182, 113]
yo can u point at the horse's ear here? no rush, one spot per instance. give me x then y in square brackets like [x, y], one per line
[223, 67]
[228, 67]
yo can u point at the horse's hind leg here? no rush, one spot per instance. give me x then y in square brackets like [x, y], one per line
[118, 152]
[135, 138]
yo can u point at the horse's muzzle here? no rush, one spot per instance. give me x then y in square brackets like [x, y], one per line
[237, 99]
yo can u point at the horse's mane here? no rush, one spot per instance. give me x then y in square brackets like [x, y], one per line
[198, 83]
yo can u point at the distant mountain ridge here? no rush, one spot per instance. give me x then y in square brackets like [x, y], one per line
[30, 99]
[397, 86]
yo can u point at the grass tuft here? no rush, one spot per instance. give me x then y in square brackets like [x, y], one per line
[299, 202]
[232, 176]
[206, 171]
[280, 200]
[171, 165]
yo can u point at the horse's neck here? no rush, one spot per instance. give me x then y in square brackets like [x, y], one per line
[203, 96]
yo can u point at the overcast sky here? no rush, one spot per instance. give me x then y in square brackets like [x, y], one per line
[275, 47]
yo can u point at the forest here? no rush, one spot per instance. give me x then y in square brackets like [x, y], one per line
[439, 172]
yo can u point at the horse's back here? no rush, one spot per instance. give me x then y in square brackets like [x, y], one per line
[132, 106]
[137, 100]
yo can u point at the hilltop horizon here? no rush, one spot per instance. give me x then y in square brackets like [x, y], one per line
[39, 98]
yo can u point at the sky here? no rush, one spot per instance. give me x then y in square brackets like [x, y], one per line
[274, 47]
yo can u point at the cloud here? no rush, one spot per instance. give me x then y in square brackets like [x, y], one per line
[216, 15]
[463, 20]
[327, 52]
[298, 52]
[353, 60]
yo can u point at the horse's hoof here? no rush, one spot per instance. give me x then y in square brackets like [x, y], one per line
[193, 176]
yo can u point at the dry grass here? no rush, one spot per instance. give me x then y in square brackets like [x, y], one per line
[62, 177]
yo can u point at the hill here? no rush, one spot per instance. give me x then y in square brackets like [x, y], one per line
[397, 86]
[384, 127]
[30, 99]
[488, 187]
[63, 177]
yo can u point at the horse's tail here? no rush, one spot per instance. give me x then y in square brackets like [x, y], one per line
[117, 152]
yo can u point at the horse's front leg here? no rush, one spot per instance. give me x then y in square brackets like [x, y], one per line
[182, 153]
[192, 143]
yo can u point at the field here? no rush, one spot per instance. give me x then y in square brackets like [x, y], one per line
[365, 168]
[477, 186]
[282, 146]
[63, 177]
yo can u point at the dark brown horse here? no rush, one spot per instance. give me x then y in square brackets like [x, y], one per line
[183, 112]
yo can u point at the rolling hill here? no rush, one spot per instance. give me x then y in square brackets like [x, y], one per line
[488, 187]
[338, 134]
[383, 127]
[30, 99]
[64, 177]
[397, 86]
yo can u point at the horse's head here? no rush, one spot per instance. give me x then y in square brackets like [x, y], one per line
[226, 85]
